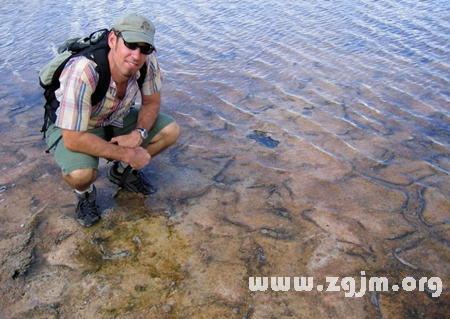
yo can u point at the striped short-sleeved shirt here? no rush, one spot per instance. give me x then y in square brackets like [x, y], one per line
[79, 80]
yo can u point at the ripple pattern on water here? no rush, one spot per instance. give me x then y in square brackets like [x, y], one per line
[355, 71]
[380, 67]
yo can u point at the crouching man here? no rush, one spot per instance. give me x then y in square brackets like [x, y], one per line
[113, 128]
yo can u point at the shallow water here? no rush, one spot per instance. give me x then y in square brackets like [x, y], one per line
[315, 142]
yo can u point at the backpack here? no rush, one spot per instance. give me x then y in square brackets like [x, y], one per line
[95, 47]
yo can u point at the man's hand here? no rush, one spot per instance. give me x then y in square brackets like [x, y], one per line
[140, 159]
[131, 140]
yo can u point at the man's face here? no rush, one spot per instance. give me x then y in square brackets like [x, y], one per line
[125, 60]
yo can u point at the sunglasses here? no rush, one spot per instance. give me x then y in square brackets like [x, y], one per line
[145, 48]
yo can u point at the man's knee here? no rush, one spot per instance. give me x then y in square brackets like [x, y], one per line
[173, 131]
[164, 139]
[81, 178]
[168, 135]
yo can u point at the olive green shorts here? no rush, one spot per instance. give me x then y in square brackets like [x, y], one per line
[70, 161]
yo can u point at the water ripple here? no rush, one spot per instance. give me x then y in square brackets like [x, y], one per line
[354, 71]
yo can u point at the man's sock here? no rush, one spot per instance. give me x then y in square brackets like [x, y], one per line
[89, 190]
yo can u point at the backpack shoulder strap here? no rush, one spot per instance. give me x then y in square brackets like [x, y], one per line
[100, 57]
[143, 72]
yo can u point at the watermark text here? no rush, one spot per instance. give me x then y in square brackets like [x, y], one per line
[348, 284]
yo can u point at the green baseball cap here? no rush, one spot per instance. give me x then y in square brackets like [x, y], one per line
[135, 28]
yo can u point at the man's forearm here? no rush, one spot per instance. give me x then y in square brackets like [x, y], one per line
[88, 143]
[148, 113]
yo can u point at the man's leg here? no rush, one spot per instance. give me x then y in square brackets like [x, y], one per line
[79, 171]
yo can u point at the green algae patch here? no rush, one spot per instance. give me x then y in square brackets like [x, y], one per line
[133, 265]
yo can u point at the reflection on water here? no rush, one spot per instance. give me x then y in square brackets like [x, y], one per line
[315, 140]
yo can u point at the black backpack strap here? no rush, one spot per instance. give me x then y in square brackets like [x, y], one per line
[109, 132]
[54, 144]
[100, 57]
[99, 54]
[143, 72]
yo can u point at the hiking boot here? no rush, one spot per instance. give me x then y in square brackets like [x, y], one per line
[131, 179]
[86, 213]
